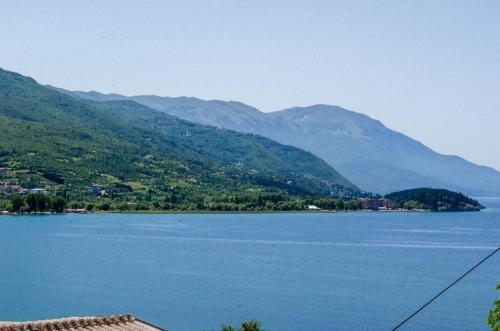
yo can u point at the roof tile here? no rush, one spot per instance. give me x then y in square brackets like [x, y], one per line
[107, 323]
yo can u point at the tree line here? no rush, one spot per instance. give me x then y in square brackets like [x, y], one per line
[57, 203]
[36, 203]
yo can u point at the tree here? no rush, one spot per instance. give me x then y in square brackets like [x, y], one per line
[340, 204]
[42, 202]
[3, 204]
[493, 320]
[31, 202]
[38, 202]
[58, 204]
[105, 206]
[17, 202]
[250, 326]
[245, 326]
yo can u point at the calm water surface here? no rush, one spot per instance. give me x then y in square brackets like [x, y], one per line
[344, 271]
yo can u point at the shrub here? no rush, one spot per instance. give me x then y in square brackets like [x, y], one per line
[245, 326]
[493, 320]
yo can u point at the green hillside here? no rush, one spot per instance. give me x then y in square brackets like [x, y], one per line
[142, 156]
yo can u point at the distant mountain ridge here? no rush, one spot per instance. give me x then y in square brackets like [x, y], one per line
[366, 152]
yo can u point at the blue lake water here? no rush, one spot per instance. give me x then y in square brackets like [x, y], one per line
[344, 271]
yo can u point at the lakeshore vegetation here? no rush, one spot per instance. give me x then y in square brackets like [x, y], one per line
[59, 203]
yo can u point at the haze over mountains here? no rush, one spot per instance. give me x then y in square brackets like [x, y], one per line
[370, 155]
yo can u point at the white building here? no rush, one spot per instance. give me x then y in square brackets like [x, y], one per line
[38, 191]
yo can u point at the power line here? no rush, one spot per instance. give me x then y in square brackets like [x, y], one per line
[447, 288]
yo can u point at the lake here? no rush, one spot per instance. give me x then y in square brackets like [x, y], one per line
[303, 271]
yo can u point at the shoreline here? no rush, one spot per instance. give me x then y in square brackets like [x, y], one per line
[208, 212]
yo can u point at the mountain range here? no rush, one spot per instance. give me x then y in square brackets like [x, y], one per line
[51, 138]
[370, 155]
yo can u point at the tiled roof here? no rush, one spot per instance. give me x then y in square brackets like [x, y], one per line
[110, 323]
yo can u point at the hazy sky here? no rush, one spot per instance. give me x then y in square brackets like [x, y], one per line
[430, 69]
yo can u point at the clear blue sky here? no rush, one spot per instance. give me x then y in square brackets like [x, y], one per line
[430, 69]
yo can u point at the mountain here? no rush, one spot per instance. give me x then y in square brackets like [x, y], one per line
[366, 152]
[377, 158]
[50, 137]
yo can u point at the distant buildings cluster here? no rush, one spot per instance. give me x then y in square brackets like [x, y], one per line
[11, 189]
[16, 189]
[368, 204]
[38, 191]
[96, 189]
[77, 211]
[377, 204]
